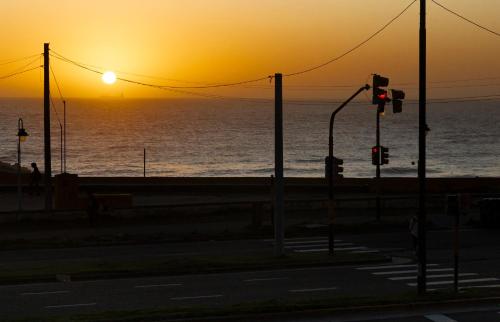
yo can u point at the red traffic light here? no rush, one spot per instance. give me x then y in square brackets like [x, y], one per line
[374, 149]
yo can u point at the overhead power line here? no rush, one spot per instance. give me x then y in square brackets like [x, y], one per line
[466, 19]
[18, 73]
[96, 69]
[12, 61]
[57, 83]
[353, 48]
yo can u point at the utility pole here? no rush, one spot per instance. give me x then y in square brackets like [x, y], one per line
[422, 216]
[279, 204]
[377, 171]
[64, 104]
[46, 129]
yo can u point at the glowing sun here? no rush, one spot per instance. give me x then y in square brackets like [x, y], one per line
[109, 77]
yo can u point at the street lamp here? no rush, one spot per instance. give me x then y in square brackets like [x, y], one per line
[330, 165]
[21, 137]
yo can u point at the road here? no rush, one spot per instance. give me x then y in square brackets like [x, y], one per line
[480, 268]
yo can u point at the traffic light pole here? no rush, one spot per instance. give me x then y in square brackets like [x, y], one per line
[422, 215]
[331, 200]
[377, 171]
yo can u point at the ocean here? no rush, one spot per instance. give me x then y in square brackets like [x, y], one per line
[226, 138]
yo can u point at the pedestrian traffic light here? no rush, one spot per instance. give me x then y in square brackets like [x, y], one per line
[379, 94]
[337, 169]
[385, 155]
[397, 103]
[375, 155]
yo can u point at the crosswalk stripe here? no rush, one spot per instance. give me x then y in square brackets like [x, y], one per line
[403, 278]
[363, 268]
[474, 280]
[366, 251]
[439, 318]
[326, 249]
[316, 245]
[412, 271]
[306, 242]
[481, 286]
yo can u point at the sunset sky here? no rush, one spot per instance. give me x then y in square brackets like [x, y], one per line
[232, 40]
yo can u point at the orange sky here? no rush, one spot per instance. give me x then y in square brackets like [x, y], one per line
[231, 40]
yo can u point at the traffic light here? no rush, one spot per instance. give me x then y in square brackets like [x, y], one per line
[337, 169]
[397, 103]
[385, 155]
[375, 155]
[379, 94]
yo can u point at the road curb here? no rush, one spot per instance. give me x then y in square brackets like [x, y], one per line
[364, 309]
[64, 278]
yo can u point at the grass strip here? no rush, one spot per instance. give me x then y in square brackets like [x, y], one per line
[278, 308]
[173, 265]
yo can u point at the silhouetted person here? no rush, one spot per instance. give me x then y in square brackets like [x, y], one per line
[36, 176]
[414, 233]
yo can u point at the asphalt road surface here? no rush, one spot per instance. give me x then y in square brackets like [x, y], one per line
[480, 268]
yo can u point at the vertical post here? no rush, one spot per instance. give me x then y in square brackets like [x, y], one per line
[144, 162]
[64, 105]
[278, 167]
[377, 171]
[19, 188]
[422, 215]
[46, 126]
[61, 145]
[455, 250]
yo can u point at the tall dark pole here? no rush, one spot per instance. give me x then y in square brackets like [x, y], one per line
[46, 129]
[377, 171]
[64, 104]
[422, 216]
[331, 196]
[19, 188]
[279, 211]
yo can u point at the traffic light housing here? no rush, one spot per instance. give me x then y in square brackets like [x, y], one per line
[375, 155]
[379, 95]
[397, 100]
[385, 155]
[337, 169]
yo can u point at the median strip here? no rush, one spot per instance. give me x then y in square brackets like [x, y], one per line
[45, 293]
[195, 297]
[157, 285]
[70, 305]
[313, 290]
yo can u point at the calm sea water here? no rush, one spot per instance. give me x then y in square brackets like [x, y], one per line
[185, 137]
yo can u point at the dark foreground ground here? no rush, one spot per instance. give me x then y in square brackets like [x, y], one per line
[182, 254]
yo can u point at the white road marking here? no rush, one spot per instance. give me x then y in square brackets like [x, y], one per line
[363, 268]
[69, 305]
[412, 271]
[313, 289]
[44, 293]
[316, 245]
[474, 280]
[324, 241]
[439, 318]
[265, 279]
[300, 238]
[429, 276]
[157, 285]
[195, 297]
[326, 249]
[481, 286]
[366, 251]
